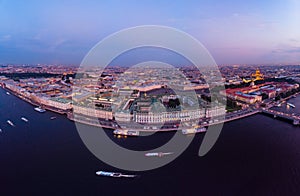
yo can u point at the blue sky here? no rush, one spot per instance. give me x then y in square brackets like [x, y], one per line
[235, 32]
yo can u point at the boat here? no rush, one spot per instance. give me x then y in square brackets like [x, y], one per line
[188, 131]
[114, 174]
[126, 132]
[39, 109]
[296, 122]
[24, 119]
[158, 154]
[292, 105]
[7, 93]
[201, 129]
[0, 130]
[52, 117]
[10, 123]
[194, 130]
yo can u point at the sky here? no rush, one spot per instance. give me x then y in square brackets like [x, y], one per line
[233, 31]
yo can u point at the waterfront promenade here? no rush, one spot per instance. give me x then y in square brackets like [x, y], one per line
[158, 128]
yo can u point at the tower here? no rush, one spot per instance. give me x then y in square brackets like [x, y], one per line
[257, 75]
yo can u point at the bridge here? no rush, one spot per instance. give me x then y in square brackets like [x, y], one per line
[295, 118]
[234, 116]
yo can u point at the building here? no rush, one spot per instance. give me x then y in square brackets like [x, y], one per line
[59, 103]
[92, 112]
[253, 94]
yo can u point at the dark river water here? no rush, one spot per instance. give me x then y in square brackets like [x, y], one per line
[257, 155]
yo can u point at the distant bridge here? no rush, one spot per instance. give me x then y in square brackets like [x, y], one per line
[295, 118]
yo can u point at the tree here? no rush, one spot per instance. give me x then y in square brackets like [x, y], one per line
[173, 103]
[264, 96]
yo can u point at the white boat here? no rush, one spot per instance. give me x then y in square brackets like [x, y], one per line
[114, 174]
[126, 132]
[292, 105]
[7, 93]
[52, 117]
[193, 130]
[39, 109]
[200, 129]
[24, 119]
[10, 123]
[158, 154]
[0, 130]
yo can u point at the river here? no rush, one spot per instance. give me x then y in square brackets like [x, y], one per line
[255, 155]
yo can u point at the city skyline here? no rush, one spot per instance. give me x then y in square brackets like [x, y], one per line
[234, 32]
[114, 97]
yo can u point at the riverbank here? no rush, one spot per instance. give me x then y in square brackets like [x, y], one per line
[56, 110]
[103, 123]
